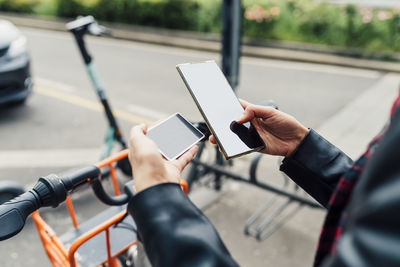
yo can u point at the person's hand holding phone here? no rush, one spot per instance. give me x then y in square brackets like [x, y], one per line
[149, 168]
[280, 132]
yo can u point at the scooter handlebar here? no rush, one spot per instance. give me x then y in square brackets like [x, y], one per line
[88, 24]
[80, 23]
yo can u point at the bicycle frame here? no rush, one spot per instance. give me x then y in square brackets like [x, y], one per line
[84, 242]
[57, 252]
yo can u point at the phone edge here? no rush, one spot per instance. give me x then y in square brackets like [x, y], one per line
[200, 109]
[190, 146]
[205, 118]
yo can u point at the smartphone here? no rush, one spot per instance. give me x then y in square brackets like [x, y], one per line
[220, 108]
[174, 136]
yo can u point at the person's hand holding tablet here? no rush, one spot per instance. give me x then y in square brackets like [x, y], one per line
[149, 167]
[220, 107]
[281, 132]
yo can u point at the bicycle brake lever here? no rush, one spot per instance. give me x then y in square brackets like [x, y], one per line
[101, 194]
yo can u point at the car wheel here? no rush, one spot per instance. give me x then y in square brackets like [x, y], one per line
[18, 102]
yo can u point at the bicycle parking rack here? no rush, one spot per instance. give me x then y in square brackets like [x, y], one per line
[260, 224]
[262, 228]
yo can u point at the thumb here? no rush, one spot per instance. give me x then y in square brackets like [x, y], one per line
[138, 130]
[138, 138]
[184, 160]
[255, 111]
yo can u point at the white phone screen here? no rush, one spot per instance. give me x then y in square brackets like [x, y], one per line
[220, 108]
[174, 136]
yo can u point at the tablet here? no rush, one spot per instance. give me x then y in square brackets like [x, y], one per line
[220, 108]
[174, 136]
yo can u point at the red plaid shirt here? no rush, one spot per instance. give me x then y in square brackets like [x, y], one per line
[338, 203]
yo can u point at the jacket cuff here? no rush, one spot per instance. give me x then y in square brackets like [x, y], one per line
[174, 232]
[316, 166]
[146, 204]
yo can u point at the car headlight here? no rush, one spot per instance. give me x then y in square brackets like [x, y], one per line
[17, 47]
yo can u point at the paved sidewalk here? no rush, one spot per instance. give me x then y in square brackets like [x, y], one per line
[354, 126]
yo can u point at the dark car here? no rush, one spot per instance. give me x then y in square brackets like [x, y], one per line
[15, 77]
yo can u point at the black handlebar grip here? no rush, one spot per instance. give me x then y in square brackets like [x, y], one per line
[49, 191]
[13, 214]
[102, 195]
[74, 178]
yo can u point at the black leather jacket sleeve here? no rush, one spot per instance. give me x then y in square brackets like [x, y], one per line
[316, 166]
[174, 232]
[371, 234]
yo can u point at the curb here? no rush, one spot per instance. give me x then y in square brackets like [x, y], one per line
[206, 42]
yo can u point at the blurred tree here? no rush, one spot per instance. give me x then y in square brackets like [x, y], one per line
[69, 8]
[20, 6]
[179, 14]
[351, 12]
[319, 22]
[394, 31]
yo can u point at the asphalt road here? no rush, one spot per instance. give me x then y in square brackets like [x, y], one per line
[61, 126]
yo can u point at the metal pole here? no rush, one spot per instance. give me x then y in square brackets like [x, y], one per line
[231, 35]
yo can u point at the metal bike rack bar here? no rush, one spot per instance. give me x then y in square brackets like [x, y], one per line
[236, 177]
[282, 205]
[262, 228]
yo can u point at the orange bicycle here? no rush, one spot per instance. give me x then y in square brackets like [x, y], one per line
[102, 240]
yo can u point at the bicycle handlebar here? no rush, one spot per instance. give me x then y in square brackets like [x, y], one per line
[49, 191]
[106, 198]
[14, 213]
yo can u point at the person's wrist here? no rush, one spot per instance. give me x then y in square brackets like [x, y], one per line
[301, 133]
[147, 177]
[139, 187]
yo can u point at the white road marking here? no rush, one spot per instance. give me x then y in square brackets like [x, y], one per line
[88, 104]
[55, 85]
[147, 112]
[48, 158]
[70, 157]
